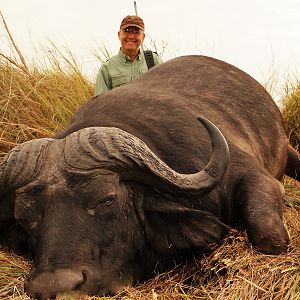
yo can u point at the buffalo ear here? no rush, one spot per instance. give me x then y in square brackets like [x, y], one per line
[11, 234]
[7, 208]
[171, 226]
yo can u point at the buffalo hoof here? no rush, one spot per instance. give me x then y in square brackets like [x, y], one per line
[274, 247]
[270, 240]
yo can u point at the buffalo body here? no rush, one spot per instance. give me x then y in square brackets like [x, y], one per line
[133, 183]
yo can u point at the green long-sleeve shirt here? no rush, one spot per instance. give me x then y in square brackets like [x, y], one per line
[119, 70]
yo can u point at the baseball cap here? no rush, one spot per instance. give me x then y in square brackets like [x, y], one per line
[132, 21]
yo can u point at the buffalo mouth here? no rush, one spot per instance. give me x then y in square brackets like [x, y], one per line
[64, 281]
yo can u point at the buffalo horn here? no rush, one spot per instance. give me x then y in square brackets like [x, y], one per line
[116, 150]
[22, 163]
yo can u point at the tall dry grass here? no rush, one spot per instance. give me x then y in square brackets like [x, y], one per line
[291, 112]
[37, 99]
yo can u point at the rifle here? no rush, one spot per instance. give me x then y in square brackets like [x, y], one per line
[147, 53]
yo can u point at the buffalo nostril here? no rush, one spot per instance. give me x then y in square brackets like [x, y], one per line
[68, 280]
[82, 282]
[37, 296]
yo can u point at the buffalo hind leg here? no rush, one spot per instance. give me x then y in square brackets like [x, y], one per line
[260, 205]
[293, 164]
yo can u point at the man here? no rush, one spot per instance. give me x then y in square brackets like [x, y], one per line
[130, 62]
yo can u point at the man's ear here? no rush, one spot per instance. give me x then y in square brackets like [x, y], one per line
[172, 226]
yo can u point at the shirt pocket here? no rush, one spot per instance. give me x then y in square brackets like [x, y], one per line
[119, 79]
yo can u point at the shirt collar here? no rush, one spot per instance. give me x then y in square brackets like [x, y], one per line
[126, 58]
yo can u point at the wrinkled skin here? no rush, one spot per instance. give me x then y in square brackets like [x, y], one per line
[96, 218]
[92, 257]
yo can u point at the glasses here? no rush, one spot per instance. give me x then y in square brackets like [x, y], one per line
[132, 30]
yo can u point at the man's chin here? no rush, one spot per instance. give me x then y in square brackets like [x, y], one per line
[131, 46]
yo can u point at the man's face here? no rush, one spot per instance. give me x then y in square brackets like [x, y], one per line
[131, 39]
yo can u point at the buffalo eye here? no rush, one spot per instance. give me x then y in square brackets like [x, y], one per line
[106, 200]
[109, 199]
[100, 204]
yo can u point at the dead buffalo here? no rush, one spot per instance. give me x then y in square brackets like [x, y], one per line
[133, 183]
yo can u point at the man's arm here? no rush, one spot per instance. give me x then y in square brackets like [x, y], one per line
[103, 81]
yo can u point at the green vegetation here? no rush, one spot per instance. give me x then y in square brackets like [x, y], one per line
[37, 100]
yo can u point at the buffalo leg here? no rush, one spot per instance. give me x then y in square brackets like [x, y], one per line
[260, 201]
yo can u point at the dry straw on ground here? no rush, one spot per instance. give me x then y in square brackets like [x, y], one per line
[37, 99]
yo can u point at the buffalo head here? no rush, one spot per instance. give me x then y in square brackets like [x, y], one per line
[98, 209]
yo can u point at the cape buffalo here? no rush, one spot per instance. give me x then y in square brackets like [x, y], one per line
[135, 182]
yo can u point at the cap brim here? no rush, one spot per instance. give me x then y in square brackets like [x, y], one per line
[132, 25]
